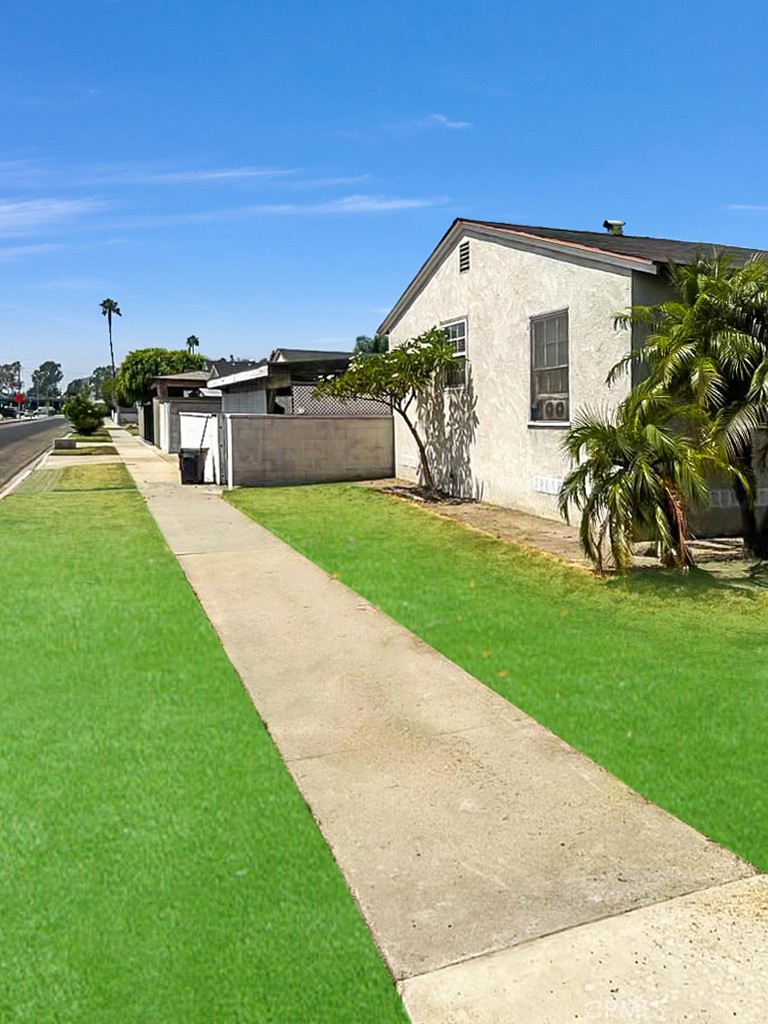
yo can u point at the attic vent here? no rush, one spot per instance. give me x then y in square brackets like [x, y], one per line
[463, 257]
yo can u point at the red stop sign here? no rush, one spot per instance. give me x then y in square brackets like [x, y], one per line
[18, 398]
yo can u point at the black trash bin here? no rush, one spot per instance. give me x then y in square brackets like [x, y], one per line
[192, 464]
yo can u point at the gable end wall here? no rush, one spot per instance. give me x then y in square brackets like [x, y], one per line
[481, 443]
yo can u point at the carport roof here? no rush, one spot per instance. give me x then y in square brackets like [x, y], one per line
[304, 367]
[189, 379]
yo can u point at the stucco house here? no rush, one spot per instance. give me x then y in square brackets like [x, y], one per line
[530, 313]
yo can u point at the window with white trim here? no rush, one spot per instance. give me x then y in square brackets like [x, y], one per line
[549, 367]
[456, 336]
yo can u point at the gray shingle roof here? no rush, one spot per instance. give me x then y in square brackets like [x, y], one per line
[659, 250]
[302, 355]
[649, 254]
[225, 367]
[188, 377]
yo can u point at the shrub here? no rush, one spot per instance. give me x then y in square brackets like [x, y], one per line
[84, 415]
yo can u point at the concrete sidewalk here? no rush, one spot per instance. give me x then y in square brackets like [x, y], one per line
[503, 875]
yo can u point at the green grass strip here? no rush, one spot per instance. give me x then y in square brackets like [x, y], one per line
[87, 449]
[661, 679]
[113, 476]
[110, 477]
[40, 481]
[157, 864]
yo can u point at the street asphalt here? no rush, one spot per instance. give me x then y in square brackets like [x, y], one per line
[21, 441]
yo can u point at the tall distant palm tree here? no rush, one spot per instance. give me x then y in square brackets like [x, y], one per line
[192, 343]
[110, 308]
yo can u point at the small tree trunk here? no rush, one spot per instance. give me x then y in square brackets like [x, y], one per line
[429, 483]
[760, 546]
[755, 539]
[678, 522]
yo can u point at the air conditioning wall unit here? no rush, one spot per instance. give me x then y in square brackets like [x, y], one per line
[553, 407]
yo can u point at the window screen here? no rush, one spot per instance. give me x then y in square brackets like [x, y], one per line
[549, 367]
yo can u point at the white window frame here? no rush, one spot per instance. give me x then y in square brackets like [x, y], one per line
[459, 345]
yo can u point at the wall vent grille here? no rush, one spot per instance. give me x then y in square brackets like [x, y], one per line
[547, 484]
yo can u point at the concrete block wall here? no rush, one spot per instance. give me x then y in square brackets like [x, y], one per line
[306, 449]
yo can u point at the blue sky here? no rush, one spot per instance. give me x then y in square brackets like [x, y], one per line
[273, 175]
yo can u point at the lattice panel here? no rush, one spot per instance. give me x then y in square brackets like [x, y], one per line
[304, 403]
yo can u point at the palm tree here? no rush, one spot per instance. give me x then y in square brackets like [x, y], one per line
[110, 308]
[709, 347]
[637, 473]
[192, 344]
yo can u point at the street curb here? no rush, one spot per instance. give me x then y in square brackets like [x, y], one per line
[22, 475]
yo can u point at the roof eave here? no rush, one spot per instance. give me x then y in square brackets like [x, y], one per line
[519, 239]
[239, 378]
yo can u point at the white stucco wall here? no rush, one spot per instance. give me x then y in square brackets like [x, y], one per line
[493, 452]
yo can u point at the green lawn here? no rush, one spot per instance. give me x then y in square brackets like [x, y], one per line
[662, 679]
[157, 865]
[87, 449]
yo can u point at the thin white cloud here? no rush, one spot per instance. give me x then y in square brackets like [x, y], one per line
[194, 177]
[443, 122]
[20, 217]
[73, 284]
[21, 173]
[29, 311]
[370, 204]
[750, 207]
[25, 173]
[407, 129]
[12, 253]
[326, 182]
[354, 204]
[62, 95]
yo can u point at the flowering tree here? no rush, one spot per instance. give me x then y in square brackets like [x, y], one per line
[396, 379]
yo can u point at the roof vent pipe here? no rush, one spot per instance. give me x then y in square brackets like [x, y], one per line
[614, 227]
